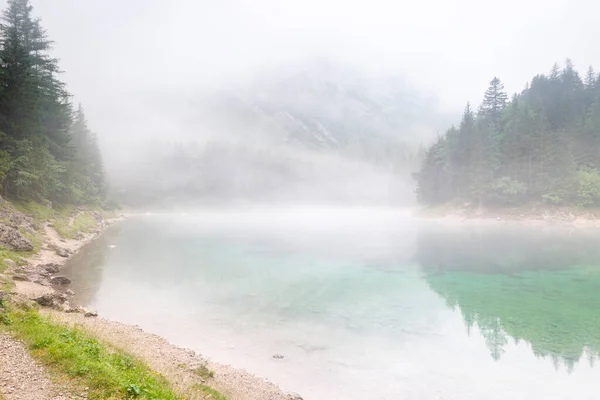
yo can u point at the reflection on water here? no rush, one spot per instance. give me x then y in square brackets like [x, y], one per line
[540, 287]
[363, 306]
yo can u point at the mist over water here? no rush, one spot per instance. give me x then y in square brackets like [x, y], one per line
[364, 303]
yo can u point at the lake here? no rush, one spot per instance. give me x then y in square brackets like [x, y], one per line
[362, 303]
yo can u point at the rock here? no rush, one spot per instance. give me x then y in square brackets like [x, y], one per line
[43, 282]
[69, 292]
[60, 251]
[90, 313]
[294, 396]
[22, 302]
[50, 268]
[53, 300]
[12, 239]
[67, 308]
[79, 236]
[277, 356]
[21, 277]
[60, 280]
[10, 263]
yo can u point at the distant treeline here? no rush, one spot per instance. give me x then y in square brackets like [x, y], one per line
[541, 146]
[47, 151]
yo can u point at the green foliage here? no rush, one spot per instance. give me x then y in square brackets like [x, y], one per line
[204, 372]
[508, 190]
[68, 227]
[543, 145]
[109, 373]
[588, 187]
[45, 153]
[210, 392]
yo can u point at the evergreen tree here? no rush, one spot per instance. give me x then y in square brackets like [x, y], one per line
[38, 160]
[541, 146]
[494, 100]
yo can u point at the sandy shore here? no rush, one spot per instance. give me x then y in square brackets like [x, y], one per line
[177, 364]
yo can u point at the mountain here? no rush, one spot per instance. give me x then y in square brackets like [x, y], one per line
[320, 133]
[327, 108]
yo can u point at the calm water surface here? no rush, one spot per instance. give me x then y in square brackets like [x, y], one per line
[363, 304]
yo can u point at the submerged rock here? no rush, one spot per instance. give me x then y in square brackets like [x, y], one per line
[12, 239]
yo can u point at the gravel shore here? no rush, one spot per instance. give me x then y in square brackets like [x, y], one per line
[176, 364]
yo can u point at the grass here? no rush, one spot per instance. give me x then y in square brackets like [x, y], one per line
[38, 211]
[83, 222]
[210, 392]
[84, 361]
[17, 258]
[204, 372]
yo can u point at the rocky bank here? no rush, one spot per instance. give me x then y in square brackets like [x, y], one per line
[37, 279]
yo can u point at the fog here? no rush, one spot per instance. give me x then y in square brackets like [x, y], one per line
[339, 94]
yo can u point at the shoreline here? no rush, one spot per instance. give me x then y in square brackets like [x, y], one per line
[179, 365]
[534, 216]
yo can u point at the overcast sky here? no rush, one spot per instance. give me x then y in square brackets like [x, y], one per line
[114, 50]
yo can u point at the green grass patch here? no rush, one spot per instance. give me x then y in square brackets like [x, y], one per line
[83, 222]
[38, 211]
[17, 258]
[208, 391]
[84, 361]
[204, 372]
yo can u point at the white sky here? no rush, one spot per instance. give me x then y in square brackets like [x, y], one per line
[113, 50]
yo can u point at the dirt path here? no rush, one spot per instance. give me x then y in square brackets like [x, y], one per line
[175, 363]
[21, 378]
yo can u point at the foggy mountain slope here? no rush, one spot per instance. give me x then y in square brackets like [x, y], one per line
[320, 134]
[328, 108]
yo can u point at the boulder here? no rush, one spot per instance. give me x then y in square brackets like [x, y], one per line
[52, 300]
[21, 277]
[12, 239]
[49, 268]
[79, 236]
[40, 280]
[60, 280]
[90, 313]
[10, 263]
[62, 252]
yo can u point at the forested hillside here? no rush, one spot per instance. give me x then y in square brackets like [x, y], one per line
[47, 152]
[541, 146]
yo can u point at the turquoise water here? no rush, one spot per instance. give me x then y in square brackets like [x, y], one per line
[363, 304]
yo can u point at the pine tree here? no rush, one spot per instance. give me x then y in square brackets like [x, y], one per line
[38, 161]
[542, 146]
[494, 100]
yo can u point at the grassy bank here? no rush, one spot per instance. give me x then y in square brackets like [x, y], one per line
[75, 357]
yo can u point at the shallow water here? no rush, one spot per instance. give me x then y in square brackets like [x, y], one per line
[363, 304]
